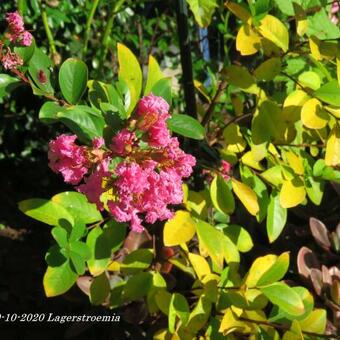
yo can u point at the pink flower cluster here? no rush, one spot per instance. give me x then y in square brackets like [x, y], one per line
[11, 60]
[226, 169]
[17, 29]
[150, 170]
[333, 14]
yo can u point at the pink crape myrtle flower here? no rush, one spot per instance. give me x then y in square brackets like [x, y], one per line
[93, 187]
[68, 158]
[11, 61]
[17, 29]
[226, 169]
[122, 142]
[334, 11]
[26, 39]
[152, 104]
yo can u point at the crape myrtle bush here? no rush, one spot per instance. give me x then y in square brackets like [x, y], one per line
[265, 143]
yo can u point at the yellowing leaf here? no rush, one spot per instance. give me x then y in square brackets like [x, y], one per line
[199, 264]
[248, 159]
[332, 157]
[221, 196]
[259, 268]
[314, 48]
[180, 229]
[315, 322]
[247, 196]
[310, 79]
[197, 203]
[292, 193]
[237, 104]
[202, 10]
[295, 162]
[230, 324]
[238, 11]
[338, 68]
[233, 138]
[248, 42]
[274, 30]
[313, 115]
[131, 73]
[154, 74]
[293, 104]
[202, 90]
[334, 110]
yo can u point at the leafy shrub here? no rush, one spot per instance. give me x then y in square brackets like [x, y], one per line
[276, 150]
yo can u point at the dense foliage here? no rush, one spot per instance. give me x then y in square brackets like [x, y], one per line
[223, 255]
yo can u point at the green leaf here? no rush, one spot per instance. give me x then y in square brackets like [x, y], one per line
[58, 280]
[239, 236]
[137, 286]
[285, 297]
[60, 235]
[154, 75]
[78, 206]
[46, 211]
[276, 218]
[25, 52]
[137, 261]
[102, 243]
[131, 73]
[315, 189]
[99, 289]
[221, 196]
[79, 253]
[239, 76]
[7, 84]
[202, 10]
[186, 126]
[73, 76]
[163, 89]
[38, 68]
[321, 27]
[83, 121]
[216, 244]
[329, 93]
[48, 112]
[199, 315]
[178, 307]
[268, 70]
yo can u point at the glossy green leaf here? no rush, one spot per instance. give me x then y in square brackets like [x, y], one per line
[221, 196]
[7, 83]
[163, 89]
[285, 297]
[102, 243]
[276, 218]
[239, 236]
[60, 235]
[178, 307]
[73, 75]
[137, 261]
[48, 112]
[83, 121]
[329, 93]
[78, 205]
[186, 126]
[46, 211]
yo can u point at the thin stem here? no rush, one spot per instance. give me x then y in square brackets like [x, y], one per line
[88, 25]
[302, 145]
[48, 31]
[210, 111]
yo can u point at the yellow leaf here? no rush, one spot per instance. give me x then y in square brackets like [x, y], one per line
[295, 162]
[332, 157]
[314, 48]
[274, 30]
[258, 268]
[233, 138]
[180, 229]
[248, 159]
[114, 266]
[292, 193]
[315, 322]
[313, 115]
[238, 11]
[202, 90]
[247, 196]
[302, 26]
[293, 104]
[131, 73]
[199, 264]
[248, 42]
